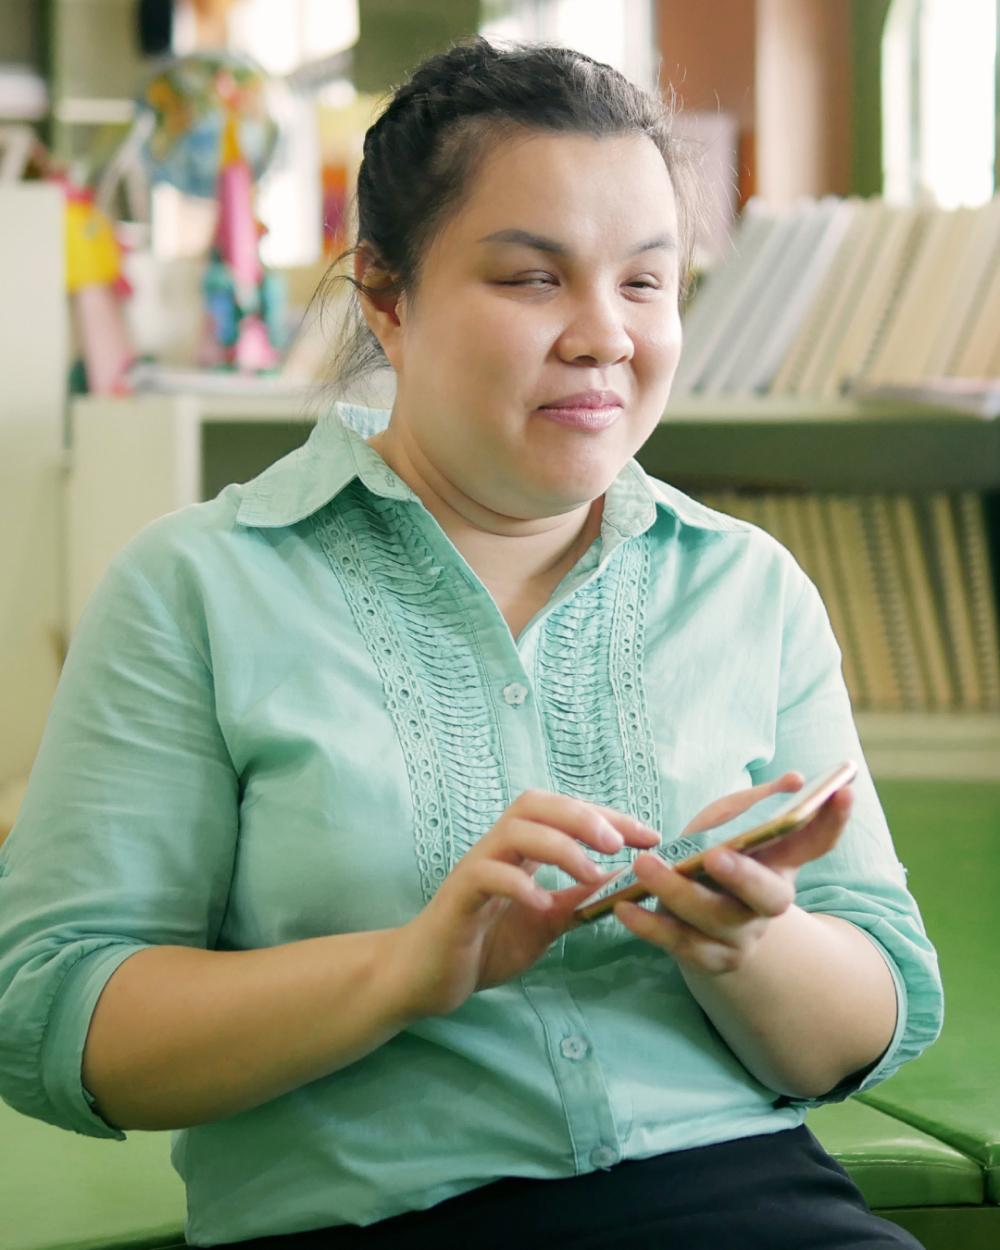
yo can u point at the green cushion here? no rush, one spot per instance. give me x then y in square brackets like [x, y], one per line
[64, 1191]
[949, 1228]
[948, 836]
[893, 1164]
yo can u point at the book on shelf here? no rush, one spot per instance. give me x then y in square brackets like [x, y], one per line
[922, 612]
[956, 610]
[753, 318]
[902, 625]
[827, 319]
[974, 397]
[979, 354]
[148, 377]
[725, 291]
[975, 560]
[873, 628]
[902, 350]
[907, 584]
[829, 294]
[872, 300]
[820, 566]
[970, 286]
[792, 291]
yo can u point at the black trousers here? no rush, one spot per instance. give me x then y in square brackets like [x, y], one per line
[777, 1191]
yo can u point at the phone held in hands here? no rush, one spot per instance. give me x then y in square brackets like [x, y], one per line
[795, 815]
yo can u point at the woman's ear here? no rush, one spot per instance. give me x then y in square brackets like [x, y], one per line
[381, 302]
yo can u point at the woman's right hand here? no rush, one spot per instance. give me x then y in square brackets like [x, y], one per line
[490, 920]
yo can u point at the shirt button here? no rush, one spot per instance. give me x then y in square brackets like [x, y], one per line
[573, 1047]
[515, 694]
[603, 1157]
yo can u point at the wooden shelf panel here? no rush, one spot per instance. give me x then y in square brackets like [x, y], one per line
[945, 746]
[827, 446]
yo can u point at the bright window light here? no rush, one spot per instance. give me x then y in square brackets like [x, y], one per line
[938, 95]
[617, 32]
[283, 34]
[957, 108]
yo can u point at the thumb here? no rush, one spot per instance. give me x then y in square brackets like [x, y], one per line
[735, 804]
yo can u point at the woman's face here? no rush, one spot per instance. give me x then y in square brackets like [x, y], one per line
[558, 275]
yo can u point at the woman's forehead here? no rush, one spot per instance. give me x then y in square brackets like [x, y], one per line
[566, 187]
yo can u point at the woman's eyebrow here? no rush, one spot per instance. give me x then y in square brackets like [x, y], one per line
[541, 244]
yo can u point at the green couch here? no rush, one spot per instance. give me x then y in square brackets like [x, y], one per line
[924, 1146]
[948, 836]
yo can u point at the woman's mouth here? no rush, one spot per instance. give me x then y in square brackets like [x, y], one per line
[584, 418]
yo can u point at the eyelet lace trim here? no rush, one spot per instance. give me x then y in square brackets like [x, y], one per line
[588, 682]
[589, 675]
[431, 672]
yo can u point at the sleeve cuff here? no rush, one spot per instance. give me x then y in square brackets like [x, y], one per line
[917, 1025]
[73, 1106]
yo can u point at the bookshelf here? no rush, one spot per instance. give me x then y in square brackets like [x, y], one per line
[783, 447]
[893, 509]
[132, 460]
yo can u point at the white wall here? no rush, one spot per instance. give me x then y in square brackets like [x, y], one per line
[33, 352]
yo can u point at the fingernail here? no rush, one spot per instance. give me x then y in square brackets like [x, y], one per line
[646, 861]
[611, 837]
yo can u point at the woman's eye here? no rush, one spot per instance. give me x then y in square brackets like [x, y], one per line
[542, 279]
[538, 279]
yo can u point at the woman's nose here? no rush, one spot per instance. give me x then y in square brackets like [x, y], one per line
[596, 334]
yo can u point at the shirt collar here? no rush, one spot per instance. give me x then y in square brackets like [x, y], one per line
[336, 453]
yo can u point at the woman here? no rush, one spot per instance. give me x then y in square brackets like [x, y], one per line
[335, 755]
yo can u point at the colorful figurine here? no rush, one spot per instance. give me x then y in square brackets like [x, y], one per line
[97, 287]
[244, 303]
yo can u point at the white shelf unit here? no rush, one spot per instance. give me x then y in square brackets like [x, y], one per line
[135, 459]
[33, 361]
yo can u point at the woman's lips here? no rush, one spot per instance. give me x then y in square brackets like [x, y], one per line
[584, 418]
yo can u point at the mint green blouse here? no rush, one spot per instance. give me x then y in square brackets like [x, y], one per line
[288, 711]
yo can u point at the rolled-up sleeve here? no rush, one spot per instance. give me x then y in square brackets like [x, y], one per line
[125, 838]
[861, 880]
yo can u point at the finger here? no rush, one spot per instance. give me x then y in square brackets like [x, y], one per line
[721, 916]
[528, 840]
[488, 879]
[632, 830]
[600, 827]
[686, 945]
[735, 804]
[756, 887]
[564, 903]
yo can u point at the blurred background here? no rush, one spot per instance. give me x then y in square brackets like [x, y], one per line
[176, 180]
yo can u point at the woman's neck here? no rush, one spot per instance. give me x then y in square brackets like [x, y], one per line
[506, 554]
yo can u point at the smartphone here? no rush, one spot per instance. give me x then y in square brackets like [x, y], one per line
[795, 815]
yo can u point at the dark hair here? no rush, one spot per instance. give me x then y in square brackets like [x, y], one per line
[423, 151]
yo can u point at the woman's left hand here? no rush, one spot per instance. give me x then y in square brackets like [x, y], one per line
[709, 932]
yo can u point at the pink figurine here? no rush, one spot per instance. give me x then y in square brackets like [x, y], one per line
[235, 281]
